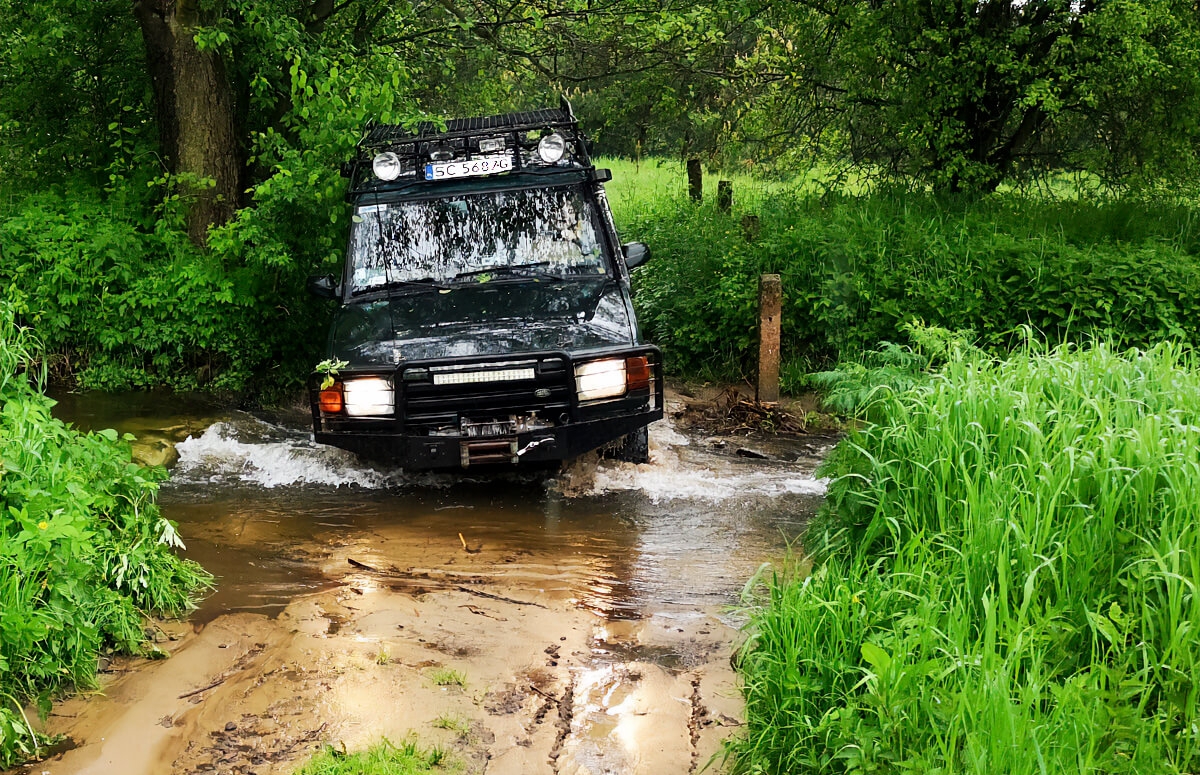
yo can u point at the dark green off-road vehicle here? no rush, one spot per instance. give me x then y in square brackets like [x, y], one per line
[485, 314]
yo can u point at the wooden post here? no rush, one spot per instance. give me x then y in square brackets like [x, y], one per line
[695, 180]
[725, 196]
[770, 302]
[750, 227]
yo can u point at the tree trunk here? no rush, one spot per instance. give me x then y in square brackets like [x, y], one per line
[196, 112]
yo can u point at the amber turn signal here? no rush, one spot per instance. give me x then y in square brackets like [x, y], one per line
[637, 373]
[330, 400]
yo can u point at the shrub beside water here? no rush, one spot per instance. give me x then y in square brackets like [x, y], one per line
[120, 299]
[1005, 580]
[85, 554]
[856, 269]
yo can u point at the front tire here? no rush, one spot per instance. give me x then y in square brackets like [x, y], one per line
[631, 448]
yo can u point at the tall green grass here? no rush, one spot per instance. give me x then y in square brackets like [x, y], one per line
[85, 554]
[1006, 580]
[856, 269]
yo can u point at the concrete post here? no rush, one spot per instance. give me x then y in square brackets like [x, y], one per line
[695, 180]
[770, 303]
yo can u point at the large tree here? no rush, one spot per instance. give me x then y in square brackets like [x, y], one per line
[195, 109]
[967, 94]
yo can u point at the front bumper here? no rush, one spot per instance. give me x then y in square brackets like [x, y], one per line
[422, 432]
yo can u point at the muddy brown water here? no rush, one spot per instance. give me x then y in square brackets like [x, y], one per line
[568, 623]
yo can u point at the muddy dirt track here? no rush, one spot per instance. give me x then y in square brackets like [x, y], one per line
[569, 624]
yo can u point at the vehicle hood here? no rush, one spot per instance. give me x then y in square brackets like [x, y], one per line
[496, 318]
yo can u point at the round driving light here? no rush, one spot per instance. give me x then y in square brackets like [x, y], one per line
[386, 166]
[552, 148]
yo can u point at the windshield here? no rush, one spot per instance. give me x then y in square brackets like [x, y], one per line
[473, 237]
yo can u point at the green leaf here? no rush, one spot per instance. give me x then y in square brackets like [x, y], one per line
[876, 657]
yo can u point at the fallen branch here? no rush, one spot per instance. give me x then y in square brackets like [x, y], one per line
[482, 612]
[194, 692]
[490, 596]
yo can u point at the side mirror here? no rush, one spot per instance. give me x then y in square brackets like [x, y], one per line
[323, 286]
[636, 254]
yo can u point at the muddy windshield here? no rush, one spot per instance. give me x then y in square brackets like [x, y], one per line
[536, 233]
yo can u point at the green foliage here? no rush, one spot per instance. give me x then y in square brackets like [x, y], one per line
[73, 94]
[84, 552]
[963, 96]
[856, 270]
[121, 304]
[386, 758]
[1005, 574]
[853, 386]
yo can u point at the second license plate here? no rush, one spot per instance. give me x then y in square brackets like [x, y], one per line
[483, 165]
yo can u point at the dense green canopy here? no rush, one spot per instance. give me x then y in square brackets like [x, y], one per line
[964, 95]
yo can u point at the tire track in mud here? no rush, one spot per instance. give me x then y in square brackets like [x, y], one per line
[695, 721]
[566, 718]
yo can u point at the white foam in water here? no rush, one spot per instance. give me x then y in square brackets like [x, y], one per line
[220, 454]
[251, 451]
[669, 475]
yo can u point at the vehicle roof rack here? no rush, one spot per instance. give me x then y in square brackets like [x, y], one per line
[389, 133]
[561, 117]
[515, 135]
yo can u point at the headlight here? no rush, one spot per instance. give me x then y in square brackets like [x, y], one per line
[600, 379]
[552, 148]
[368, 397]
[386, 166]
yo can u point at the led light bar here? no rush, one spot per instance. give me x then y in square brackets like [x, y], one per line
[474, 377]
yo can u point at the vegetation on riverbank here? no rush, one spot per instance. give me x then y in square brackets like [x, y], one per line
[1004, 581]
[857, 269]
[85, 555]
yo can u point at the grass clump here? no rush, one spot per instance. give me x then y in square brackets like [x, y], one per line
[1005, 579]
[445, 676]
[385, 758]
[85, 554]
[453, 722]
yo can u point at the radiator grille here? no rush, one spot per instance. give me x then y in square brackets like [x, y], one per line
[545, 388]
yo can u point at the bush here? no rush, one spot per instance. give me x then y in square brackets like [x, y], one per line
[1005, 579]
[84, 552]
[120, 303]
[855, 270]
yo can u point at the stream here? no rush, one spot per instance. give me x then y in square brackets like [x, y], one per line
[571, 622]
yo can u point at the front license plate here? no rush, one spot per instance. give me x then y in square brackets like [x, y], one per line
[486, 430]
[483, 165]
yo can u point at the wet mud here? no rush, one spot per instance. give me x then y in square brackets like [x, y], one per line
[577, 624]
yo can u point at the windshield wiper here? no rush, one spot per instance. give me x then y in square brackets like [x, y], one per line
[533, 270]
[424, 284]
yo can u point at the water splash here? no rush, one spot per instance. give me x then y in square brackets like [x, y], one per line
[250, 451]
[679, 470]
[246, 450]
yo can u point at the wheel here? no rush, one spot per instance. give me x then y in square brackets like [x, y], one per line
[631, 448]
